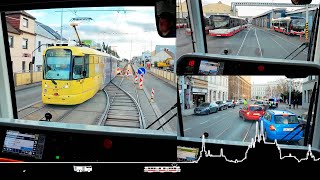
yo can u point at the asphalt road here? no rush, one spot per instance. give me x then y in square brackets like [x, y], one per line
[253, 42]
[28, 96]
[165, 96]
[224, 125]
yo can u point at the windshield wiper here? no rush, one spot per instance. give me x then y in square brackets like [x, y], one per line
[174, 106]
[53, 81]
[303, 44]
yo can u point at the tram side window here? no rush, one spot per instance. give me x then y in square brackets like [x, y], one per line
[86, 66]
[78, 68]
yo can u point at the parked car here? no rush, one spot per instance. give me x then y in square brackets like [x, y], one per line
[206, 108]
[241, 101]
[237, 103]
[230, 103]
[251, 112]
[279, 123]
[222, 105]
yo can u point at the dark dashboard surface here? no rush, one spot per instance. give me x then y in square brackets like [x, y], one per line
[34, 141]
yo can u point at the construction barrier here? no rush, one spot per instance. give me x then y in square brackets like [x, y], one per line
[152, 95]
[141, 82]
[136, 78]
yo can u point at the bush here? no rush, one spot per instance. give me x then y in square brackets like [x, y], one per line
[155, 64]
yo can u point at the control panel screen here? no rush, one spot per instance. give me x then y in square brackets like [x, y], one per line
[210, 68]
[24, 144]
[187, 153]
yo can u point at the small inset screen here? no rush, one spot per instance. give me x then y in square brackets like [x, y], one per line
[209, 68]
[24, 144]
[187, 153]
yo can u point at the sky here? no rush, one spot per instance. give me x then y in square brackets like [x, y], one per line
[128, 33]
[253, 11]
[264, 79]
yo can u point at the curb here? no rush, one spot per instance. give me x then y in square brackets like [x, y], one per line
[23, 87]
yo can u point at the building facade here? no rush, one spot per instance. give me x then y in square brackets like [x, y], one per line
[307, 87]
[21, 31]
[239, 87]
[217, 88]
[43, 40]
[261, 91]
[264, 19]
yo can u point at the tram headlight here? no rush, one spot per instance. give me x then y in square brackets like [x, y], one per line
[46, 85]
[66, 86]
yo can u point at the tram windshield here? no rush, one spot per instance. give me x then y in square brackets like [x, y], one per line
[248, 31]
[88, 62]
[57, 66]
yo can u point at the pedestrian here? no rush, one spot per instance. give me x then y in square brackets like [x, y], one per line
[297, 103]
[234, 103]
[294, 103]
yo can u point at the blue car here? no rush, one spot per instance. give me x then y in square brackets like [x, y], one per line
[279, 123]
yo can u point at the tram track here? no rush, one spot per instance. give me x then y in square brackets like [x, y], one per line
[123, 108]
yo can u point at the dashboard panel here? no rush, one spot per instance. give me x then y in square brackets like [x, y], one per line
[38, 141]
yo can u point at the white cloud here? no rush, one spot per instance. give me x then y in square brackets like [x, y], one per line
[37, 14]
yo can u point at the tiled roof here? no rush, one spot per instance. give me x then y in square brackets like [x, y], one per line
[51, 31]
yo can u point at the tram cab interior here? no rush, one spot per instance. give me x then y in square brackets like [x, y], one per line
[64, 142]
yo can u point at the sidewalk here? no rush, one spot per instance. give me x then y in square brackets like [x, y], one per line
[296, 111]
[27, 86]
[188, 112]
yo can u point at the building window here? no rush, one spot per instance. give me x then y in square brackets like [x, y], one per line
[11, 41]
[25, 22]
[23, 66]
[39, 46]
[25, 43]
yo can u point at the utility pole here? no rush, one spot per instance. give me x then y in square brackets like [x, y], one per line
[307, 26]
[290, 94]
[181, 80]
[61, 27]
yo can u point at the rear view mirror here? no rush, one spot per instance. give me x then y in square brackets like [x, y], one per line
[166, 18]
[301, 2]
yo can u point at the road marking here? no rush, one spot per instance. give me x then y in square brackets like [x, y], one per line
[216, 122]
[243, 42]
[224, 131]
[187, 129]
[204, 122]
[284, 40]
[245, 137]
[279, 45]
[255, 32]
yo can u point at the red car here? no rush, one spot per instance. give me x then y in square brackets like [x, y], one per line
[251, 112]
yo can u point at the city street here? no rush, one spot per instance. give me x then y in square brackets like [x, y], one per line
[225, 125]
[253, 42]
[25, 97]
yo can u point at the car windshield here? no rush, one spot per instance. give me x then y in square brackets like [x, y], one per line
[204, 105]
[280, 119]
[229, 101]
[94, 83]
[248, 31]
[219, 102]
[259, 102]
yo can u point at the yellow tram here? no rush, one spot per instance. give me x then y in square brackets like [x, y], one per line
[74, 74]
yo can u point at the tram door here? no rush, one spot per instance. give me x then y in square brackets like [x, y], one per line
[77, 74]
